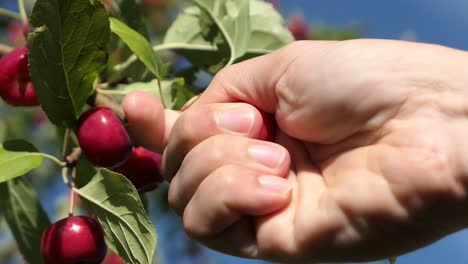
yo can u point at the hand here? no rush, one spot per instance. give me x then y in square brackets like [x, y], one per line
[368, 162]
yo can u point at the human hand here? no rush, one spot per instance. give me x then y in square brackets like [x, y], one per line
[368, 162]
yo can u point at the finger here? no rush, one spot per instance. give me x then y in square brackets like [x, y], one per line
[255, 81]
[218, 151]
[245, 192]
[198, 124]
[148, 122]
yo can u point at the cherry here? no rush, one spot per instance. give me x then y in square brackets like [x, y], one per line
[142, 168]
[75, 239]
[103, 138]
[15, 84]
[113, 258]
[298, 27]
[268, 130]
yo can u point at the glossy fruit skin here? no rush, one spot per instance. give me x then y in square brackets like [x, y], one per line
[142, 168]
[75, 239]
[113, 258]
[268, 130]
[103, 138]
[16, 88]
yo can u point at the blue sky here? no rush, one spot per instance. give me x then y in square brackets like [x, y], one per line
[442, 22]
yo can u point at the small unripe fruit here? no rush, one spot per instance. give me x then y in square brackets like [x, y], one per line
[15, 83]
[103, 138]
[75, 239]
[298, 27]
[142, 168]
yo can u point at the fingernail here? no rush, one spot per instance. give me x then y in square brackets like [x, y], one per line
[274, 183]
[267, 154]
[238, 120]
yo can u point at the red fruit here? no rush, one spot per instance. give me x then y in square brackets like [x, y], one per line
[113, 258]
[15, 84]
[268, 131]
[76, 239]
[103, 138]
[142, 168]
[298, 27]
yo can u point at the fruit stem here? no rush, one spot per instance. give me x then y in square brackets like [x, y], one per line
[72, 192]
[10, 14]
[65, 143]
[24, 16]
[105, 100]
[65, 176]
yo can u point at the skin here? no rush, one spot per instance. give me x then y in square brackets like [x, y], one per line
[369, 159]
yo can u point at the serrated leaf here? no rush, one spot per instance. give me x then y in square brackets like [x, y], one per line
[17, 157]
[175, 93]
[232, 17]
[25, 216]
[116, 203]
[187, 36]
[67, 53]
[139, 45]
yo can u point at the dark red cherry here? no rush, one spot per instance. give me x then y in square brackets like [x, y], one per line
[142, 168]
[103, 138]
[113, 258]
[15, 84]
[268, 130]
[73, 240]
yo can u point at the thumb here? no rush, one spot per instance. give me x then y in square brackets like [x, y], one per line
[254, 81]
[148, 122]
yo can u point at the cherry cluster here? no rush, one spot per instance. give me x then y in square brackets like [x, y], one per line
[105, 143]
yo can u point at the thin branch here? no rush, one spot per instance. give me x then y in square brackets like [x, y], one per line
[65, 143]
[4, 49]
[10, 14]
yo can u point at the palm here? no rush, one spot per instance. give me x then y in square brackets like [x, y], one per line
[361, 192]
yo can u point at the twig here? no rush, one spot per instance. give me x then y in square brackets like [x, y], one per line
[10, 14]
[4, 49]
[72, 193]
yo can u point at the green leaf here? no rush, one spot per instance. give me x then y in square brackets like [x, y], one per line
[193, 37]
[268, 31]
[232, 17]
[185, 37]
[25, 216]
[132, 15]
[139, 45]
[67, 52]
[115, 202]
[175, 92]
[17, 157]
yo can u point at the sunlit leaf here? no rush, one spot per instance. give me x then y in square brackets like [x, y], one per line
[67, 52]
[115, 202]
